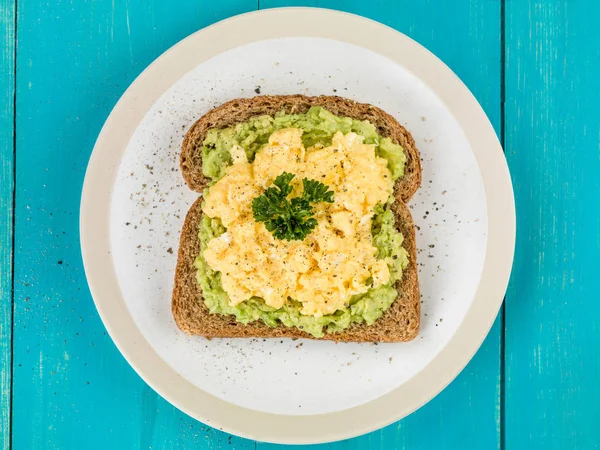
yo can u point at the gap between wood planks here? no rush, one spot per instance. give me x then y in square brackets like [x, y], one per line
[13, 222]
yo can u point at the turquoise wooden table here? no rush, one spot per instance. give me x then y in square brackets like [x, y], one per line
[535, 67]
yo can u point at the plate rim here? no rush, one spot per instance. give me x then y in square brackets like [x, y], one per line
[102, 170]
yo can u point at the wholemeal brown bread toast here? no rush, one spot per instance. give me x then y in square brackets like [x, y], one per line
[398, 324]
[241, 109]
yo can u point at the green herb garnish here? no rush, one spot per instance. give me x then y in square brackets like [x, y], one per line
[290, 219]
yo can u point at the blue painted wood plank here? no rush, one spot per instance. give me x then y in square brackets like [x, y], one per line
[72, 389]
[553, 148]
[7, 83]
[467, 413]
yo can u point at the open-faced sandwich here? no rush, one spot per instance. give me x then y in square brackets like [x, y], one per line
[302, 228]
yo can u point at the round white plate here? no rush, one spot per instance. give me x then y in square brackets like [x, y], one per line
[134, 201]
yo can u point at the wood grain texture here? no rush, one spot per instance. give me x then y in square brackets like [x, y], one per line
[7, 83]
[467, 413]
[553, 149]
[72, 389]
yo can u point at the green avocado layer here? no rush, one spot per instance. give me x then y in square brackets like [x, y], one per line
[319, 126]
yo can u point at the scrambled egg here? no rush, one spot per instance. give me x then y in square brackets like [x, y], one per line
[334, 262]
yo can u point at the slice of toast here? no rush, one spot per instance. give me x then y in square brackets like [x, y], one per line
[398, 324]
[241, 109]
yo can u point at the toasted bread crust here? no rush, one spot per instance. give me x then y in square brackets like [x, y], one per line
[241, 109]
[399, 323]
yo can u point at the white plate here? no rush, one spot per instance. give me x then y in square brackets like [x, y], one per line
[134, 202]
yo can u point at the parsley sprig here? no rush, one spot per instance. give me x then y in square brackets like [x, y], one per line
[290, 219]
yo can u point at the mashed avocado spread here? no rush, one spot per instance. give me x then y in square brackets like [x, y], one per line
[319, 126]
